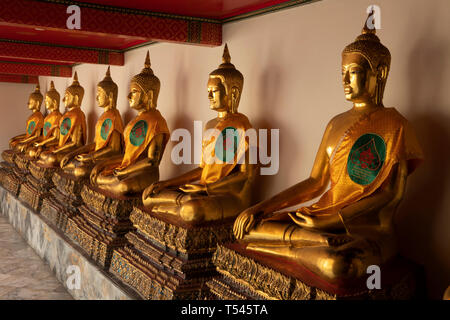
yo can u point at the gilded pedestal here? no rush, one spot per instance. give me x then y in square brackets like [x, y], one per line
[166, 258]
[101, 224]
[5, 168]
[63, 200]
[246, 275]
[12, 175]
[38, 185]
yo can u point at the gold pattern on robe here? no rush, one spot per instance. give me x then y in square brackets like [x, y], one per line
[69, 122]
[401, 144]
[215, 168]
[109, 121]
[51, 122]
[34, 123]
[138, 138]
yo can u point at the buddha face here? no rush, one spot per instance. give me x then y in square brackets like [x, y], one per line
[50, 104]
[217, 95]
[138, 99]
[69, 100]
[33, 104]
[102, 98]
[358, 79]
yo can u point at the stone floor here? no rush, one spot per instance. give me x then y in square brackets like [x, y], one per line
[23, 275]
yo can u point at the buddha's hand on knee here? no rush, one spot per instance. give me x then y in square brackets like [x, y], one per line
[93, 175]
[245, 222]
[193, 187]
[321, 222]
[154, 188]
[83, 157]
[64, 161]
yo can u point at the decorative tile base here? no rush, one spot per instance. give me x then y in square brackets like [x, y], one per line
[17, 175]
[22, 161]
[12, 182]
[63, 200]
[61, 254]
[57, 209]
[9, 156]
[165, 258]
[33, 192]
[101, 224]
[247, 274]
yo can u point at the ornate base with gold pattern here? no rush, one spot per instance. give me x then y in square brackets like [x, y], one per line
[166, 258]
[247, 274]
[9, 156]
[9, 178]
[5, 168]
[101, 224]
[37, 186]
[64, 199]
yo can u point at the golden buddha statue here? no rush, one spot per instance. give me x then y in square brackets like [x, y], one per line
[34, 123]
[72, 127]
[366, 154]
[108, 141]
[145, 139]
[50, 132]
[221, 187]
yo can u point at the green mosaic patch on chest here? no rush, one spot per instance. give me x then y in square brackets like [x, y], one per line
[138, 133]
[366, 158]
[31, 127]
[65, 126]
[106, 127]
[47, 127]
[226, 144]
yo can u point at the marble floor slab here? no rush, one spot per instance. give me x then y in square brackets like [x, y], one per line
[23, 274]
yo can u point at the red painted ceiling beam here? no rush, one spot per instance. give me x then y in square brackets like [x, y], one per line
[58, 54]
[35, 69]
[112, 20]
[18, 78]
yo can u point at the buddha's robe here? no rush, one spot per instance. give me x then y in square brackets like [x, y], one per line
[363, 160]
[223, 152]
[68, 123]
[108, 122]
[35, 122]
[138, 135]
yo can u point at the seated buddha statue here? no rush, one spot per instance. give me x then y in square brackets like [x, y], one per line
[50, 131]
[35, 122]
[108, 139]
[221, 186]
[72, 127]
[366, 154]
[145, 139]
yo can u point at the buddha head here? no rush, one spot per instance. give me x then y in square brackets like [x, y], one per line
[107, 91]
[365, 68]
[74, 94]
[52, 98]
[144, 88]
[225, 85]
[35, 100]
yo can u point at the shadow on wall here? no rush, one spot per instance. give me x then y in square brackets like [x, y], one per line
[270, 85]
[182, 118]
[424, 219]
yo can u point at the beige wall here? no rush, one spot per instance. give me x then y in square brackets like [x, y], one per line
[291, 64]
[14, 110]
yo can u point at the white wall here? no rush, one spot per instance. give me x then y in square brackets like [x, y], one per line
[291, 64]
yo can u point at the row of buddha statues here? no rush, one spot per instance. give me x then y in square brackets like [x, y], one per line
[359, 172]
